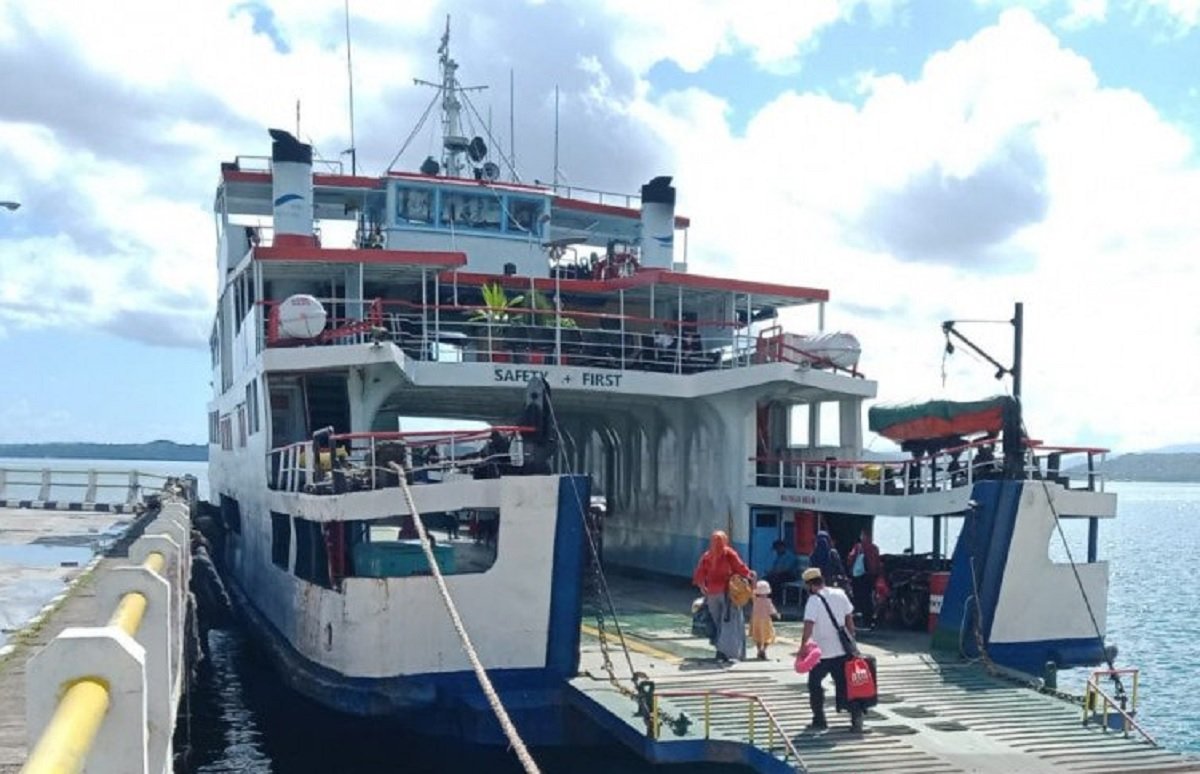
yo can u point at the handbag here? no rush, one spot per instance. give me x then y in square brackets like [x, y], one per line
[860, 680]
[739, 590]
[703, 624]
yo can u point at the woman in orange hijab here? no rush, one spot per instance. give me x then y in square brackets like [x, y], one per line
[716, 566]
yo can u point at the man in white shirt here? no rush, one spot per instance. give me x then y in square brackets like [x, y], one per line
[828, 608]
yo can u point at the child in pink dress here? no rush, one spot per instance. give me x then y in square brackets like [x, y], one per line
[762, 630]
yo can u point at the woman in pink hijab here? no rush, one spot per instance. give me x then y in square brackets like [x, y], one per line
[716, 566]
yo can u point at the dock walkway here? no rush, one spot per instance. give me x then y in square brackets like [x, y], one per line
[98, 671]
[933, 717]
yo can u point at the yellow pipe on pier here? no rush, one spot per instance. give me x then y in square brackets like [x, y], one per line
[68, 737]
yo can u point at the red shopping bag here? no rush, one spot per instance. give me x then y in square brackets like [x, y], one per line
[860, 682]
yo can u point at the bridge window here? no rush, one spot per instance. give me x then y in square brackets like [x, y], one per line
[462, 210]
[415, 206]
[523, 215]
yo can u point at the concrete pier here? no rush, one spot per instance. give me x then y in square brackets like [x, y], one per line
[119, 625]
[933, 715]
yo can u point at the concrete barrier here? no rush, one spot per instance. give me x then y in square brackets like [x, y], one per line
[104, 699]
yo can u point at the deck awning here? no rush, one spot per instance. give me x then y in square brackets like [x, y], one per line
[938, 418]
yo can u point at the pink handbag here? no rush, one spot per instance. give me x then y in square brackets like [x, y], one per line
[807, 658]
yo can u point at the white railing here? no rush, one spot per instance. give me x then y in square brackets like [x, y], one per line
[346, 462]
[446, 333]
[954, 468]
[47, 485]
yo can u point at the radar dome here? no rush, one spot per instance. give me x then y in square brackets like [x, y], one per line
[301, 317]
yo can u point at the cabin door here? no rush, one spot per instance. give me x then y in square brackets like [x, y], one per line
[765, 529]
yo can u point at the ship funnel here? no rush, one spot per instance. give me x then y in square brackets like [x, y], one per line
[658, 223]
[291, 189]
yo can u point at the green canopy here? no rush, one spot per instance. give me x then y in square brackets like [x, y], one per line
[938, 418]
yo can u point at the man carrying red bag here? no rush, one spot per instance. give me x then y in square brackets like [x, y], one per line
[829, 621]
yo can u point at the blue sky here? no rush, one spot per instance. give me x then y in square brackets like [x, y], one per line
[922, 160]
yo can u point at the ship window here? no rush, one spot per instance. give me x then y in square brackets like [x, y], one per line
[414, 205]
[464, 542]
[231, 514]
[460, 210]
[281, 539]
[241, 422]
[523, 215]
[252, 410]
[312, 563]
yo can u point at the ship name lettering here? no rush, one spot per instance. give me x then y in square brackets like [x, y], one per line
[601, 379]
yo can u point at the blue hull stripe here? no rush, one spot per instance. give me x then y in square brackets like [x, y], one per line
[566, 593]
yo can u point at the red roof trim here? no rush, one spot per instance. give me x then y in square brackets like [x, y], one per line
[743, 286]
[610, 209]
[432, 258]
[331, 181]
[641, 279]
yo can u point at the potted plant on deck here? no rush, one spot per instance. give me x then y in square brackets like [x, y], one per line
[543, 318]
[498, 313]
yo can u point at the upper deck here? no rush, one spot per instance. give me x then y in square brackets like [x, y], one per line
[457, 271]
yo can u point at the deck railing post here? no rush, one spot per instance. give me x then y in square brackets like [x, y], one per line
[131, 496]
[89, 494]
[44, 490]
[3, 482]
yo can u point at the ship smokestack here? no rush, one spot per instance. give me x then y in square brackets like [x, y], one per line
[658, 223]
[291, 189]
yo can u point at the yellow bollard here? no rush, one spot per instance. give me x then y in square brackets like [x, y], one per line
[654, 717]
[67, 738]
[707, 714]
[751, 722]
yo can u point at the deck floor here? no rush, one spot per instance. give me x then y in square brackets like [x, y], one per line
[933, 716]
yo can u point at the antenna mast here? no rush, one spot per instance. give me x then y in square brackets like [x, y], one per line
[350, 78]
[454, 144]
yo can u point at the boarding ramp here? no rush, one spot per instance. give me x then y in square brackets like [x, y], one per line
[934, 715]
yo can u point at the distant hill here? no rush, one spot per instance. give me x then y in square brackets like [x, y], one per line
[1153, 466]
[155, 450]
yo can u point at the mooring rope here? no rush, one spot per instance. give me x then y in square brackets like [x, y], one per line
[510, 730]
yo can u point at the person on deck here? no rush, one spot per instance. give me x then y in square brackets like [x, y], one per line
[785, 569]
[825, 557]
[716, 566]
[826, 611]
[865, 566]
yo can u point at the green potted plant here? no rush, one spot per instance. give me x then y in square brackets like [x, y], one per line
[543, 318]
[499, 315]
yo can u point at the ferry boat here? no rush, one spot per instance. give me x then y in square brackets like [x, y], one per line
[565, 320]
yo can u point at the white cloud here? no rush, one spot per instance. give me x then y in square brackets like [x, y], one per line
[993, 176]
[1102, 267]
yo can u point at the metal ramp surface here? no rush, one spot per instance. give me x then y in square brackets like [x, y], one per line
[934, 716]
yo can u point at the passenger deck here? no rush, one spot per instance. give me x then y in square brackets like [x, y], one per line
[934, 715]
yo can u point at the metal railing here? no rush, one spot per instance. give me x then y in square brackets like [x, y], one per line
[1094, 694]
[46, 481]
[334, 463]
[754, 705]
[954, 468]
[524, 336]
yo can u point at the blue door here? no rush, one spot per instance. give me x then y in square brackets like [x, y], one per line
[764, 531]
